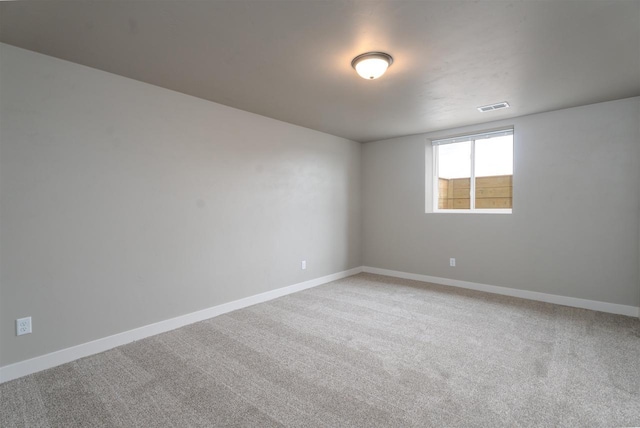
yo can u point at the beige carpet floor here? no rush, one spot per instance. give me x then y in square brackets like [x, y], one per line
[366, 351]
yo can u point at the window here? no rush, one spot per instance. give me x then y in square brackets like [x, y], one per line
[474, 173]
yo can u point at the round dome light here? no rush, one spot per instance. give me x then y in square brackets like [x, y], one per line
[372, 65]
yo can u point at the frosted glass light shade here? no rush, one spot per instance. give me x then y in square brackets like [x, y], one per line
[372, 65]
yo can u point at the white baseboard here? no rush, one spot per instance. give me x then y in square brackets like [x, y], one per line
[53, 359]
[33, 365]
[575, 302]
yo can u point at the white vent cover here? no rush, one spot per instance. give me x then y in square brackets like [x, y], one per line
[496, 106]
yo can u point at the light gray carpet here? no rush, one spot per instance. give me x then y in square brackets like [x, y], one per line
[364, 351]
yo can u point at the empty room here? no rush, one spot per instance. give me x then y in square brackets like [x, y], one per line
[300, 213]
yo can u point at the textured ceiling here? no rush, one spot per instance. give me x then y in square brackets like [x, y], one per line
[290, 60]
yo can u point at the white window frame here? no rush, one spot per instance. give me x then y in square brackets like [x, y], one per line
[472, 190]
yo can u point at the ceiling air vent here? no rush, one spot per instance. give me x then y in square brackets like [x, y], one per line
[496, 106]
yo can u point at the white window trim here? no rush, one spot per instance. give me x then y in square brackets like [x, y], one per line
[435, 190]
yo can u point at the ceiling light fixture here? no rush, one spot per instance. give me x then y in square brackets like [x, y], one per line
[372, 65]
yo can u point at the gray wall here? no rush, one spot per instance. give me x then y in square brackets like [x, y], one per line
[124, 204]
[575, 222]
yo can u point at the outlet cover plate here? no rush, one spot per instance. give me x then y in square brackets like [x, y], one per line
[23, 326]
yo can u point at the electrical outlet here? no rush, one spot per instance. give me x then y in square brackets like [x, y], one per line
[452, 262]
[303, 265]
[23, 326]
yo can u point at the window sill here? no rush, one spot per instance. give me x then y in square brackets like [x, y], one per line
[506, 211]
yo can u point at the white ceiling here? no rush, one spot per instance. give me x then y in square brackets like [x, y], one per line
[290, 60]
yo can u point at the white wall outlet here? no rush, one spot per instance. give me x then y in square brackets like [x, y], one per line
[23, 326]
[303, 265]
[452, 262]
